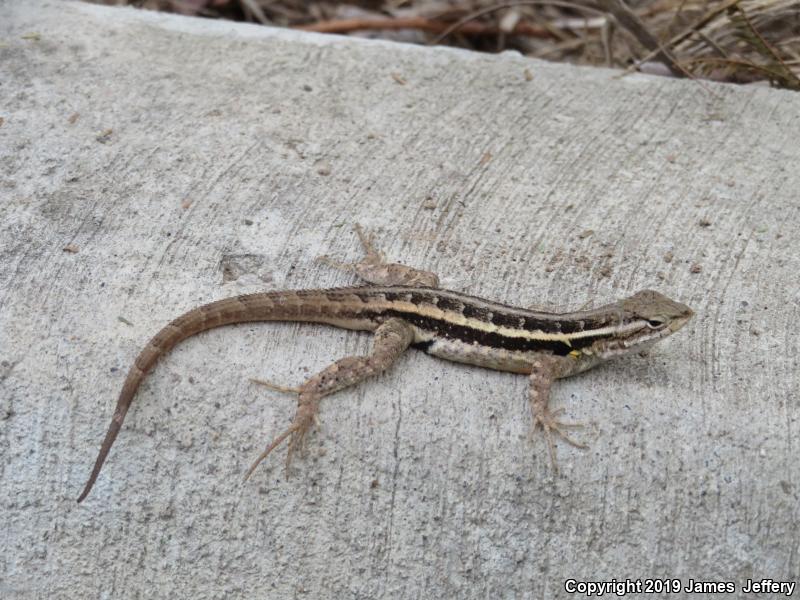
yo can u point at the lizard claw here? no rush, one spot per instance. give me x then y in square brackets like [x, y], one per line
[275, 386]
[550, 426]
[304, 418]
[335, 264]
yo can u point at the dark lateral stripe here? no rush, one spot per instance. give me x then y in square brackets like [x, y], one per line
[422, 345]
[452, 304]
[410, 295]
[469, 335]
[472, 307]
[502, 318]
[472, 311]
[424, 297]
[513, 321]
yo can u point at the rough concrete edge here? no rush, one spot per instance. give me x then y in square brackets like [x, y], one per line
[212, 27]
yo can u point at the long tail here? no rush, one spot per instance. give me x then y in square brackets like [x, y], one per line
[312, 305]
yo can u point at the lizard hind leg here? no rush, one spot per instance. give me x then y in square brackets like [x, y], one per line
[391, 339]
[374, 269]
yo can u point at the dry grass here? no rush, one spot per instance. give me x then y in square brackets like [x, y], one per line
[740, 41]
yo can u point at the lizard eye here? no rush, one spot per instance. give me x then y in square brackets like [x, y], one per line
[656, 322]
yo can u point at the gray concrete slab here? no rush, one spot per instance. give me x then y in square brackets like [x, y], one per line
[149, 163]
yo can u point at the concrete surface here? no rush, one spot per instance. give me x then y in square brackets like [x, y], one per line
[150, 163]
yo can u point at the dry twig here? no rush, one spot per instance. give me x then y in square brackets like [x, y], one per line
[634, 25]
[462, 23]
[421, 23]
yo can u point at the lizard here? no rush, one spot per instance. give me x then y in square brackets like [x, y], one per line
[405, 307]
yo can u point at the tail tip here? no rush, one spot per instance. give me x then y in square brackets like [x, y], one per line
[84, 493]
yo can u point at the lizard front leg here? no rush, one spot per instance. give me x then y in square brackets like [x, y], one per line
[544, 370]
[373, 268]
[391, 338]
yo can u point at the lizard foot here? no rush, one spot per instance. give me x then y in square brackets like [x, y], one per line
[550, 425]
[374, 269]
[373, 258]
[304, 418]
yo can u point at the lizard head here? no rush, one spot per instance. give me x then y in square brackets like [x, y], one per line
[644, 318]
[660, 313]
